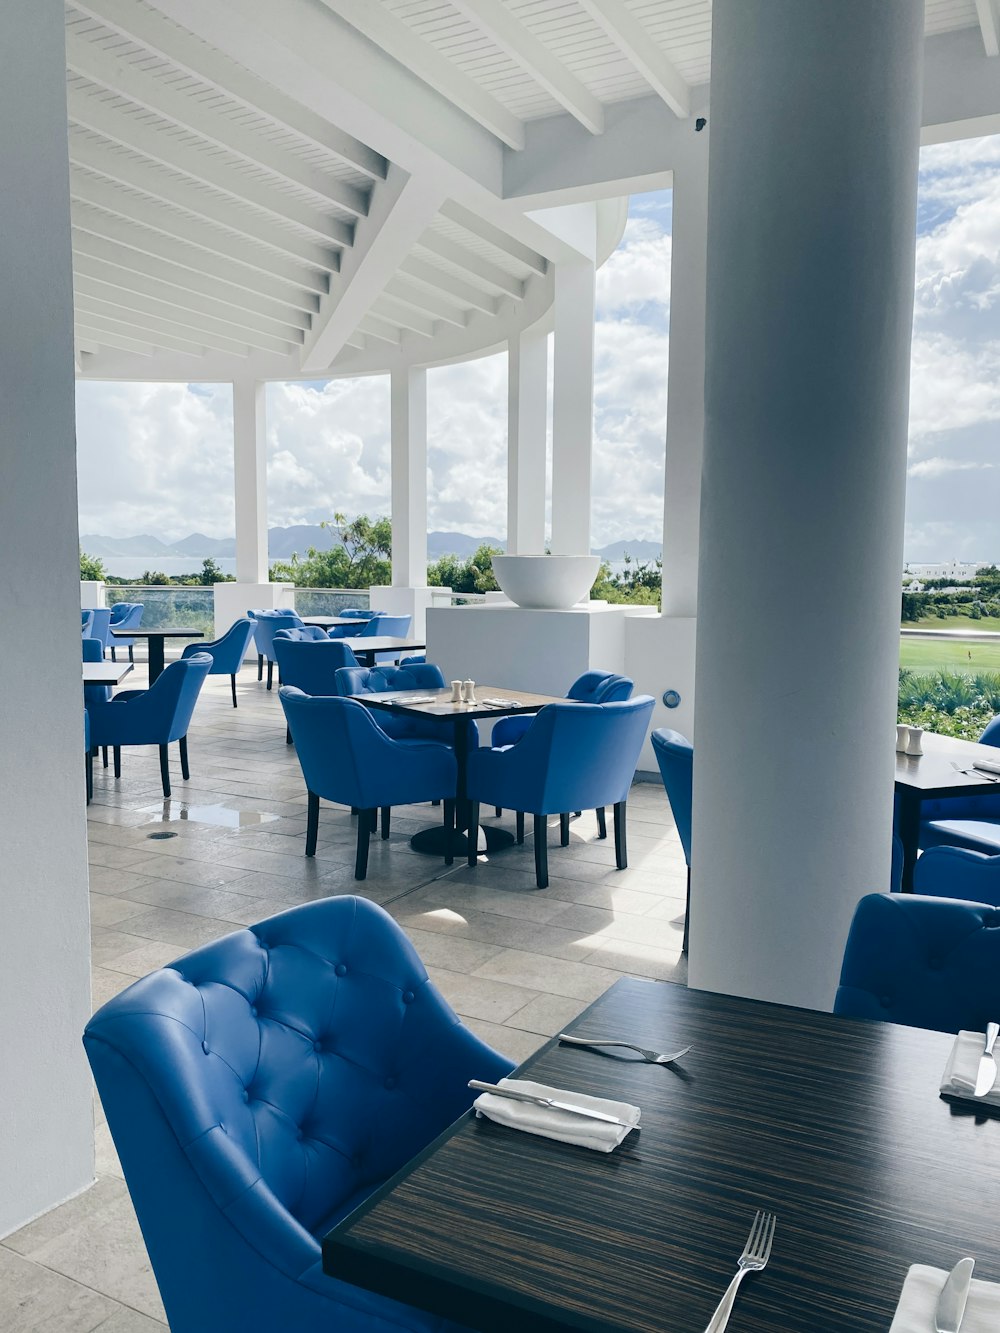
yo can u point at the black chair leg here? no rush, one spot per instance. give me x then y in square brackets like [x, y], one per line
[602, 823]
[232, 681]
[117, 752]
[687, 915]
[541, 851]
[564, 830]
[312, 824]
[89, 763]
[260, 666]
[449, 833]
[519, 826]
[164, 770]
[113, 658]
[621, 852]
[473, 832]
[182, 745]
[372, 819]
[385, 821]
[288, 741]
[131, 658]
[364, 833]
[498, 810]
[104, 755]
[270, 669]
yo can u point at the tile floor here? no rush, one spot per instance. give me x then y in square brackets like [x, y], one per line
[227, 850]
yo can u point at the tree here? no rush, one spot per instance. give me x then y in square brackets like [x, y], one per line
[361, 557]
[91, 567]
[472, 575]
[211, 573]
[639, 582]
[154, 579]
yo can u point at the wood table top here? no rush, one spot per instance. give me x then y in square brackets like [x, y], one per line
[140, 633]
[934, 771]
[442, 705]
[382, 643]
[328, 622]
[834, 1124]
[105, 673]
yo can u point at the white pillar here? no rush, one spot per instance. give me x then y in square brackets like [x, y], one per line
[408, 417]
[250, 480]
[572, 405]
[686, 379]
[46, 1112]
[812, 204]
[527, 404]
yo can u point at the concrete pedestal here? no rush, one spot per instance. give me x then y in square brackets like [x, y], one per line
[91, 593]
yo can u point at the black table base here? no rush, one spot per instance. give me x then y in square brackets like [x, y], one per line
[431, 841]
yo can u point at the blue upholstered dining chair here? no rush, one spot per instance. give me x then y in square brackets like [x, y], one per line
[395, 627]
[971, 821]
[346, 757]
[259, 1089]
[266, 625]
[157, 716]
[100, 625]
[926, 962]
[573, 757]
[227, 652]
[356, 613]
[415, 676]
[86, 623]
[675, 759]
[957, 872]
[124, 615]
[309, 661]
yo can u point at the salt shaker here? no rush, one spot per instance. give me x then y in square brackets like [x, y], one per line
[469, 691]
[456, 691]
[902, 736]
[915, 743]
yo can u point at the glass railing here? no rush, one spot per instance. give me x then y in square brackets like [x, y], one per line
[165, 607]
[329, 601]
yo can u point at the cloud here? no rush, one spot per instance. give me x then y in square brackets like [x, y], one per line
[937, 467]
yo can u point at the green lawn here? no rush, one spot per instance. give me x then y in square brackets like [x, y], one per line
[987, 625]
[949, 654]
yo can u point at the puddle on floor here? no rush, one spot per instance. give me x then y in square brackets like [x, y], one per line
[222, 816]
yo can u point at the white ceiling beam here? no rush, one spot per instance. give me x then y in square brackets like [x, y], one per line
[373, 327]
[193, 113]
[401, 208]
[486, 231]
[438, 279]
[163, 332]
[128, 243]
[396, 312]
[640, 50]
[113, 276]
[430, 302]
[148, 28]
[357, 341]
[480, 268]
[120, 263]
[205, 167]
[123, 336]
[103, 195]
[136, 175]
[500, 25]
[94, 339]
[399, 41]
[986, 12]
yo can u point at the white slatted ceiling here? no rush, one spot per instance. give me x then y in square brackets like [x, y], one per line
[947, 15]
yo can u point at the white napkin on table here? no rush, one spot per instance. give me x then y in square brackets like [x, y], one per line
[919, 1297]
[963, 1065]
[550, 1123]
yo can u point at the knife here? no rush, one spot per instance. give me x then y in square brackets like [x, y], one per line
[987, 1075]
[954, 1294]
[516, 1095]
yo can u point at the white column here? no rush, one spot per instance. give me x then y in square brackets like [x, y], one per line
[46, 1112]
[408, 417]
[527, 404]
[572, 405]
[812, 204]
[250, 480]
[685, 379]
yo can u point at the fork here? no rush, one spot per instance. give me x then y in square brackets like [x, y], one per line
[650, 1057]
[756, 1253]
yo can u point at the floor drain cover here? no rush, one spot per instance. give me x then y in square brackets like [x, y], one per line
[160, 836]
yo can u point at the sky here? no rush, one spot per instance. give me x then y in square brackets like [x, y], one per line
[158, 457]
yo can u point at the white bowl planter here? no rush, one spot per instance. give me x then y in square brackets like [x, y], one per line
[546, 582]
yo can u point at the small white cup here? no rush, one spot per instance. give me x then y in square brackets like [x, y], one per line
[902, 737]
[456, 691]
[469, 691]
[914, 744]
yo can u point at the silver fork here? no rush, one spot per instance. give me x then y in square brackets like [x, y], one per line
[651, 1057]
[756, 1253]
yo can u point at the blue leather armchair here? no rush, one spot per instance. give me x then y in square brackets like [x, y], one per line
[396, 627]
[125, 615]
[965, 821]
[416, 676]
[227, 652]
[353, 613]
[675, 758]
[100, 625]
[574, 756]
[86, 623]
[347, 757]
[258, 1090]
[309, 660]
[156, 716]
[956, 872]
[926, 962]
[266, 625]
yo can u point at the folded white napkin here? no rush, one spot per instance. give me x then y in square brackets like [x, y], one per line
[963, 1065]
[566, 1126]
[919, 1297]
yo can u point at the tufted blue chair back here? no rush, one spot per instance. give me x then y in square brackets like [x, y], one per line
[675, 757]
[93, 651]
[311, 664]
[925, 962]
[380, 679]
[955, 872]
[303, 634]
[593, 687]
[267, 624]
[227, 652]
[353, 613]
[155, 716]
[129, 616]
[260, 1088]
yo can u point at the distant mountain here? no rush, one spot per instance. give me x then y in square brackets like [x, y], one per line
[638, 550]
[200, 546]
[144, 545]
[458, 543]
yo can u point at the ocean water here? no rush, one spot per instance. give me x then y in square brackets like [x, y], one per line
[134, 566]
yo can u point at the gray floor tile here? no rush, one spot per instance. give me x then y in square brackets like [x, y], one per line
[35, 1300]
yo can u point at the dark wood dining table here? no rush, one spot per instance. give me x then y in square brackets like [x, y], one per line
[365, 647]
[443, 709]
[155, 639]
[331, 622]
[933, 775]
[833, 1124]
